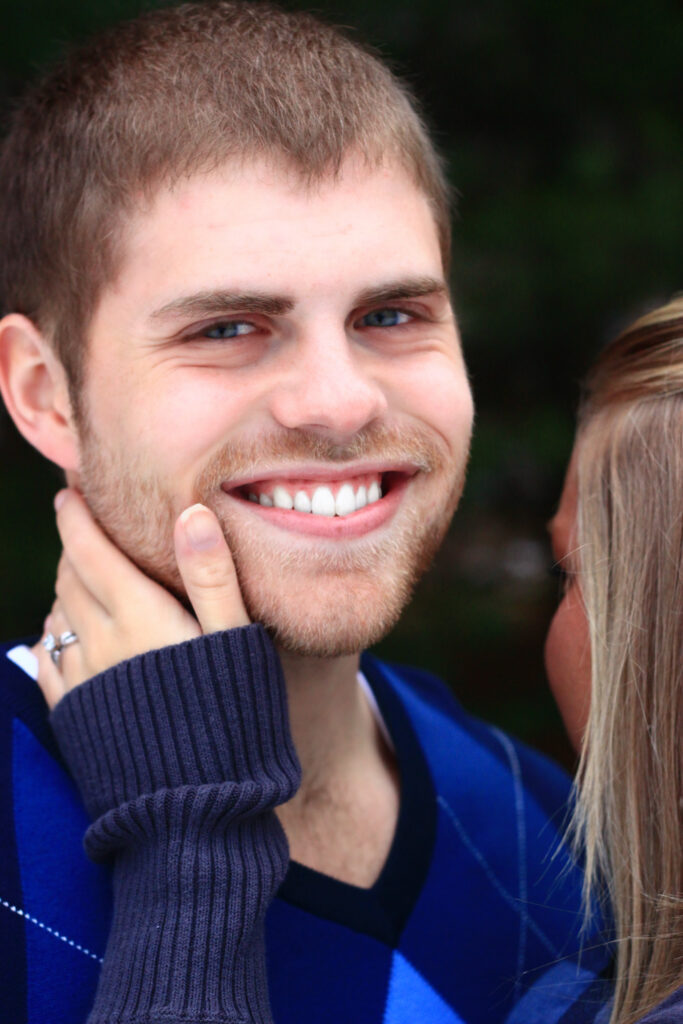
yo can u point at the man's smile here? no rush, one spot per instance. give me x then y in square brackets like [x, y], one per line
[315, 500]
[337, 499]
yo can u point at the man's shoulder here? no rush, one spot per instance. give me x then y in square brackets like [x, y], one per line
[54, 904]
[501, 813]
[462, 748]
[22, 704]
[29, 754]
[31, 766]
[20, 696]
[668, 1012]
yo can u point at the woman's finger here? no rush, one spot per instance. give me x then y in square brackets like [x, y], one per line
[208, 571]
[50, 680]
[71, 664]
[55, 678]
[82, 610]
[103, 568]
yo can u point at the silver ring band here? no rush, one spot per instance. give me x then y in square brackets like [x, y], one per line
[54, 646]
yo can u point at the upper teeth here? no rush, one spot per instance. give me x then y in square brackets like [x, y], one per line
[322, 502]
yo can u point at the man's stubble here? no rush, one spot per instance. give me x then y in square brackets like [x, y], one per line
[317, 600]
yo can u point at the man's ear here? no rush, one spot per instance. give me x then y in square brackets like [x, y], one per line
[34, 386]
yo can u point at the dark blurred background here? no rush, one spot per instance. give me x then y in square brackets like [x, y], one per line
[561, 124]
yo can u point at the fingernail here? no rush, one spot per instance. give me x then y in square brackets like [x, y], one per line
[59, 499]
[201, 528]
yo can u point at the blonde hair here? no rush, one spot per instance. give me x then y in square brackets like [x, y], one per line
[175, 92]
[628, 817]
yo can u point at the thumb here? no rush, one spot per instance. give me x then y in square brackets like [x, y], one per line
[208, 571]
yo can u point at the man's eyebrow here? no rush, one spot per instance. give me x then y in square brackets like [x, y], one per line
[406, 288]
[217, 303]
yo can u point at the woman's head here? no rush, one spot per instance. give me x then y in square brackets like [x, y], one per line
[615, 647]
[616, 535]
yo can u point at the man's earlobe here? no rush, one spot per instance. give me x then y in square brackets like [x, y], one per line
[34, 386]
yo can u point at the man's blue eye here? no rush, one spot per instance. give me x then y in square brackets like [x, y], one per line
[385, 318]
[230, 329]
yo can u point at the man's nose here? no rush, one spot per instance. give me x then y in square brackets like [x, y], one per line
[330, 385]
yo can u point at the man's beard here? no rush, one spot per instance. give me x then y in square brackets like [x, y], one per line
[316, 599]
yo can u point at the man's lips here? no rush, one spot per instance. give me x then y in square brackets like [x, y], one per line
[296, 497]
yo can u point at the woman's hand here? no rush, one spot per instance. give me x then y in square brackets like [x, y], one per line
[116, 611]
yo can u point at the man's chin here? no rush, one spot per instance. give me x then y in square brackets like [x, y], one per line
[330, 614]
[334, 635]
[336, 604]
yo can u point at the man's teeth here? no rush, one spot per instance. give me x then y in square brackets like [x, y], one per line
[302, 503]
[281, 498]
[322, 502]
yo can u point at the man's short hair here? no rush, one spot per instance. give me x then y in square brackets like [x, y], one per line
[172, 93]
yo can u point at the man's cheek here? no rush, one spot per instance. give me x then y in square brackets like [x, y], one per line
[449, 403]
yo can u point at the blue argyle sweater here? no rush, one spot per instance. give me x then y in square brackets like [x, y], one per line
[474, 919]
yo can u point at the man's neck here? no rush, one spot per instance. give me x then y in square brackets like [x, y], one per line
[349, 775]
[327, 713]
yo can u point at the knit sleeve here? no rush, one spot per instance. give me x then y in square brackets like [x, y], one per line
[181, 755]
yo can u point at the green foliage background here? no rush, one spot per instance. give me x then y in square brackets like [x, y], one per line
[562, 128]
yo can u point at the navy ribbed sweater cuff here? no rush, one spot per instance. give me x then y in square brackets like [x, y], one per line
[181, 754]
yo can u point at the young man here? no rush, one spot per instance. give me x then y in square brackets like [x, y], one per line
[224, 255]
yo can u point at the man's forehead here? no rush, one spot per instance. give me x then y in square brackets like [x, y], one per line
[236, 227]
[275, 183]
[268, 172]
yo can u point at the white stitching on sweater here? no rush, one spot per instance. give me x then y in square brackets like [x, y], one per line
[51, 931]
[511, 900]
[516, 770]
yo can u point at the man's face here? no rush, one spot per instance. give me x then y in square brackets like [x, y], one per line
[268, 345]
